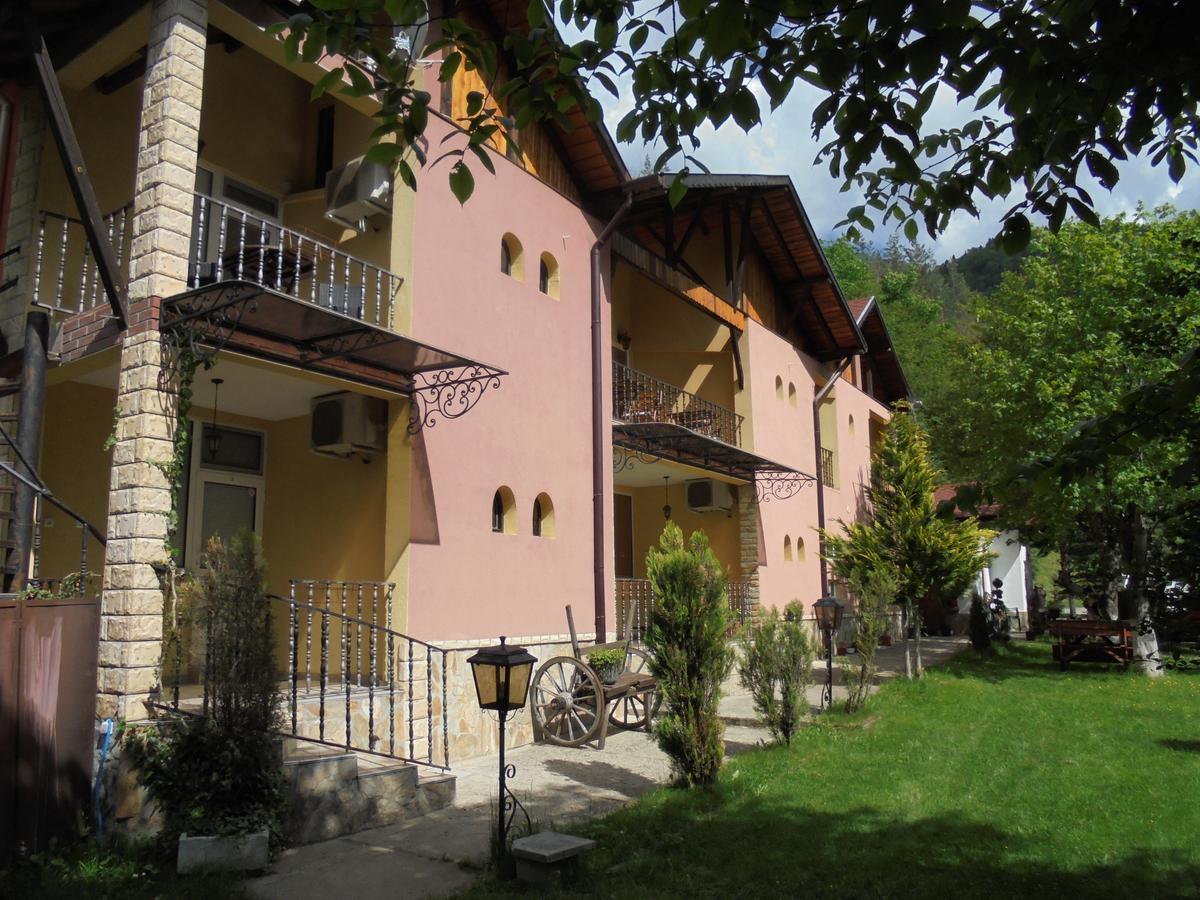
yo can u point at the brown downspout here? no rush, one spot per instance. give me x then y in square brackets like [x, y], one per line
[600, 438]
[817, 401]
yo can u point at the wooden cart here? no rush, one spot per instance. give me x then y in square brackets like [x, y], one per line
[572, 706]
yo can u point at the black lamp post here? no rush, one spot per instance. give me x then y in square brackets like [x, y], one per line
[502, 675]
[828, 613]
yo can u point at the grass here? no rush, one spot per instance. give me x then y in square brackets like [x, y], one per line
[992, 777]
[88, 872]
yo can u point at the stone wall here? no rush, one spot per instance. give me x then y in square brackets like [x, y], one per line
[748, 544]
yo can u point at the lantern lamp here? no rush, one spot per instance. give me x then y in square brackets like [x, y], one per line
[828, 613]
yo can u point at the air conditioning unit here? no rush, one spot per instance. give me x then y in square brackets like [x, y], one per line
[346, 423]
[706, 495]
[357, 190]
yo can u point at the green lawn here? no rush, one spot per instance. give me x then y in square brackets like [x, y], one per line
[999, 777]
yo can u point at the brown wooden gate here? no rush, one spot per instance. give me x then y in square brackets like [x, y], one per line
[47, 717]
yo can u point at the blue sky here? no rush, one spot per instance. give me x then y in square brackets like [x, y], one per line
[783, 145]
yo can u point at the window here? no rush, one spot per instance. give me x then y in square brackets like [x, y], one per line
[787, 548]
[543, 516]
[227, 486]
[511, 263]
[548, 276]
[504, 511]
[800, 549]
[850, 426]
[778, 387]
[791, 394]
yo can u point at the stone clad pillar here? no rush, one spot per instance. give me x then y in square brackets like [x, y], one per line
[748, 545]
[139, 500]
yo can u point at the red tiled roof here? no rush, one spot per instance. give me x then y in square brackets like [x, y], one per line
[944, 493]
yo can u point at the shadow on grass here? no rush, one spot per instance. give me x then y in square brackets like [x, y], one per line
[1180, 745]
[1021, 659]
[724, 843]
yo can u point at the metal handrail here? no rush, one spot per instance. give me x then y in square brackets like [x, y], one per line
[252, 248]
[52, 289]
[638, 397]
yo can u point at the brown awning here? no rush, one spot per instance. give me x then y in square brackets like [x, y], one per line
[261, 322]
[682, 445]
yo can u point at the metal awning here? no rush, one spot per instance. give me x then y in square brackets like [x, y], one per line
[267, 324]
[676, 443]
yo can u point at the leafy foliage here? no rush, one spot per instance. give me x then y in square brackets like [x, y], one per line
[691, 654]
[776, 668]
[220, 773]
[979, 628]
[1109, 81]
[874, 593]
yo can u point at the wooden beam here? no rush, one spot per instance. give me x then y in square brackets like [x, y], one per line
[779, 237]
[734, 334]
[76, 171]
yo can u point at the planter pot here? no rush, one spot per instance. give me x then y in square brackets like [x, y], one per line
[885, 641]
[609, 674]
[236, 853]
[842, 651]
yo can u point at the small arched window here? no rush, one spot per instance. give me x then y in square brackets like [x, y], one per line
[800, 549]
[791, 394]
[504, 511]
[778, 387]
[787, 548]
[548, 275]
[851, 426]
[510, 257]
[543, 516]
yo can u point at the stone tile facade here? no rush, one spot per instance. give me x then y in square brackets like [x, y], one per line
[748, 545]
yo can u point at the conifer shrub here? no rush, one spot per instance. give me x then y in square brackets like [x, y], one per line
[776, 669]
[691, 655]
[876, 591]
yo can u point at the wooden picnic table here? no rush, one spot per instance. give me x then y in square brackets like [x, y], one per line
[1090, 640]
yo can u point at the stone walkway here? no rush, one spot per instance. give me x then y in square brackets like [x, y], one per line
[443, 852]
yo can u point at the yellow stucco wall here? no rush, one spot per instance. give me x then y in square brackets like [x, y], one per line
[721, 528]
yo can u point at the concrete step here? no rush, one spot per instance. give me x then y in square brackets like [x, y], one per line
[334, 792]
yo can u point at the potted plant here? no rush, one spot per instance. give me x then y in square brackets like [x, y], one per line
[886, 639]
[607, 664]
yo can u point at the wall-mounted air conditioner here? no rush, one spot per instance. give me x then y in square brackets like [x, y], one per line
[707, 495]
[345, 423]
[357, 190]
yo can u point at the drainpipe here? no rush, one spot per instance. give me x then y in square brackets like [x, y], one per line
[600, 412]
[817, 401]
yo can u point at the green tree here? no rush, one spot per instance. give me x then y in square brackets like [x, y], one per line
[1110, 80]
[776, 669]
[873, 595]
[691, 654]
[931, 558]
[1094, 314]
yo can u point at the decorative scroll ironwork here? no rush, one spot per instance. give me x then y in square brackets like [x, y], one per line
[449, 393]
[510, 804]
[779, 485]
[205, 321]
[625, 459]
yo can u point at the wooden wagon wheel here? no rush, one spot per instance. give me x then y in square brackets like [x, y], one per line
[631, 711]
[567, 695]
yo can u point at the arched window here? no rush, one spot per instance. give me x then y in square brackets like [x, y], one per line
[511, 263]
[778, 387]
[787, 548]
[548, 275]
[791, 394]
[851, 426]
[543, 516]
[800, 549]
[504, 511]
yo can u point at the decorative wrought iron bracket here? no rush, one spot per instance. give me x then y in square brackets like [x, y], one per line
[510, 804]
[206, 321]
[625, 459]
[779, 485]
[449, 393]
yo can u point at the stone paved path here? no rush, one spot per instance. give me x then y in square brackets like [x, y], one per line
[441, 853]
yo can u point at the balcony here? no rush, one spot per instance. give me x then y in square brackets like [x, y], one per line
[228, 243]
[642, 398]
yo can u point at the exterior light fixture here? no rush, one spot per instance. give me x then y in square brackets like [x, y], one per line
[667, 496]
[212, 441]
[828, 613]
[502, 675]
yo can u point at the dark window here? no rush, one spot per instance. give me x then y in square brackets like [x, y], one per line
[543, 277]
[537, 518]
[497, 512]
[505, 258]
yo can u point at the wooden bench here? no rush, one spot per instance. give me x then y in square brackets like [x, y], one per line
[1092, 641]
[548, 857]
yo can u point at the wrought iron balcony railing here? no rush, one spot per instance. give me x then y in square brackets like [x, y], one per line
[228, 243]
[638, 397]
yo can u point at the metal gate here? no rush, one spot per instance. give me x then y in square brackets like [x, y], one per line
[47, 716]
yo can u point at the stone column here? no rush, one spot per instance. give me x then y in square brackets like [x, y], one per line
[139, 501]
[748, 545]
